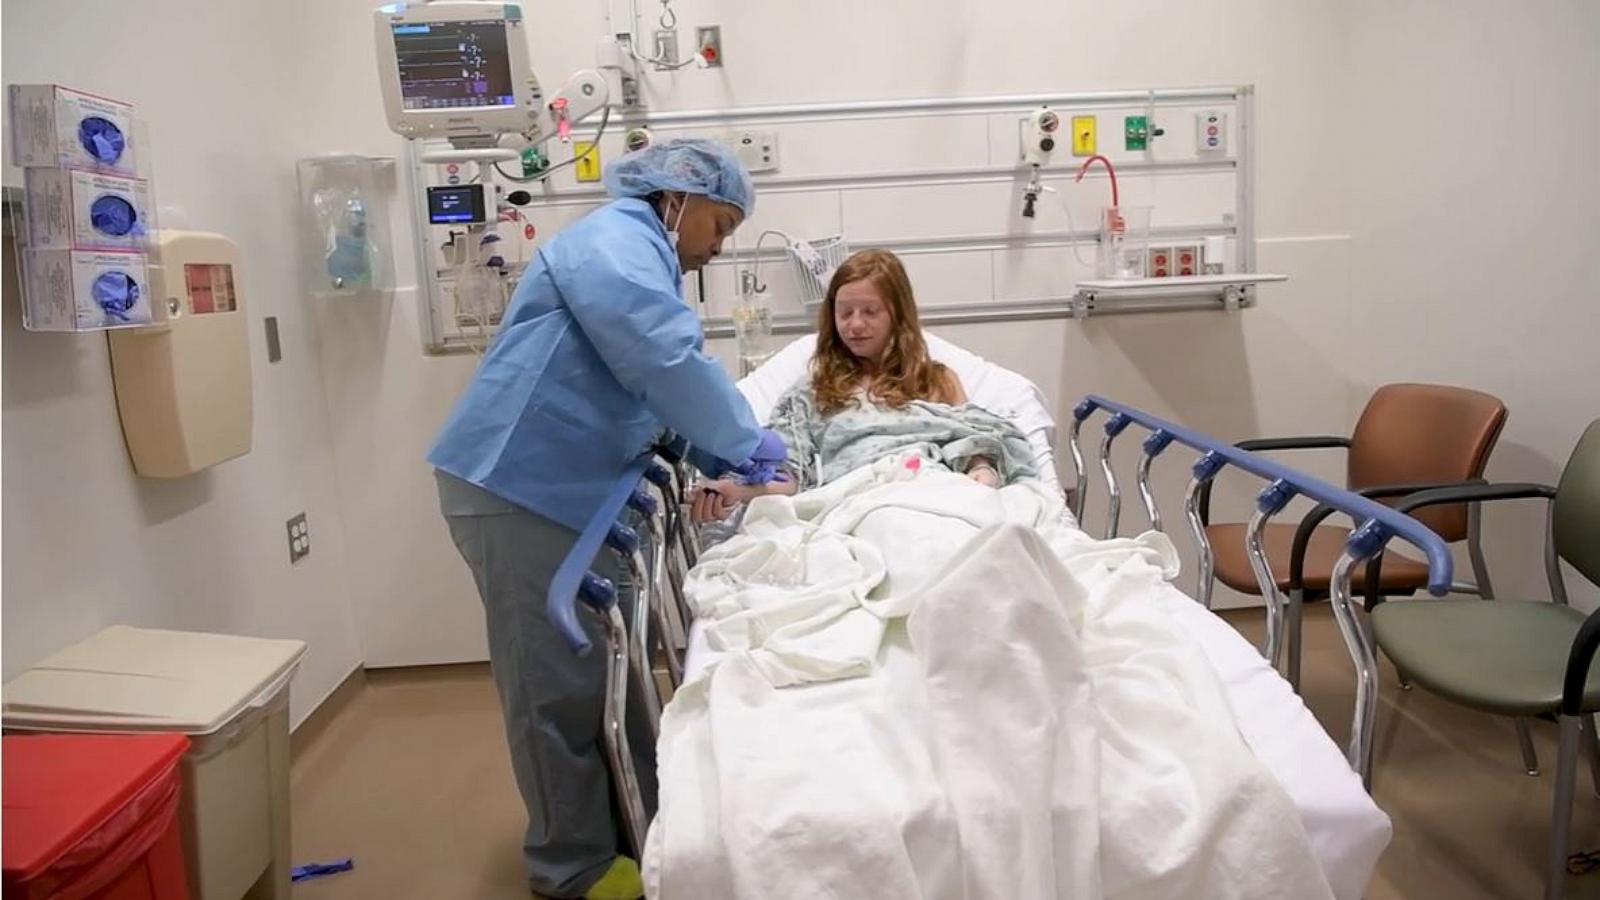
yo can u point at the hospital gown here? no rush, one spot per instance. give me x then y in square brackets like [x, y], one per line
[825, 447]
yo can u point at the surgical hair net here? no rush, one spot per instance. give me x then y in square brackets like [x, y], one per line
[691, 165]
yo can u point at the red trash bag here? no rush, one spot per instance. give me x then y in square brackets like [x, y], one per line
[93, 817]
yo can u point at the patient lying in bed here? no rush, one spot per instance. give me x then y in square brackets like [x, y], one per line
[873, 392]
[913, 685]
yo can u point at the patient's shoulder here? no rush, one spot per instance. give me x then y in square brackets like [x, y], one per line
[951, 391]
[798, 398]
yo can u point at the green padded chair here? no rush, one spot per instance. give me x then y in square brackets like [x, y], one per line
[1512, 658]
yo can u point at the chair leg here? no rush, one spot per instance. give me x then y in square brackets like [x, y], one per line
[1530, 756]
[1297, 600]
[1555, 873]
[1593, 740]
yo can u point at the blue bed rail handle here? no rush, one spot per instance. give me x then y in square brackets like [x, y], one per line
[1379, 523]
[1275, 496]
[561, 603]
[1208, 465]
[640, 500]
[598, 592]
[658, 475]
[623, 538]
[1156, 443]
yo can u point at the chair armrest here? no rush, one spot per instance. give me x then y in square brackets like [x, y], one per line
[1466, 493]
[1472, 492]
[1302, 534]
[1307, 442]
[1310, 442]
[1578, 661]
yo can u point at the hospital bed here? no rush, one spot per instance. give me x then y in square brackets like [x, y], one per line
[1346, 830]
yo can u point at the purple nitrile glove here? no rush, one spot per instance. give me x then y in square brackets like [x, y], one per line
[762, 466]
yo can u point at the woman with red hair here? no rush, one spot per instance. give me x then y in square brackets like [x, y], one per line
[872, 372]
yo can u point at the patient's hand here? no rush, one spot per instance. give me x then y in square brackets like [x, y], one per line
[717, 500]
[984, 475]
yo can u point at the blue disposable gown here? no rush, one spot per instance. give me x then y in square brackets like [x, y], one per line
[597, 353]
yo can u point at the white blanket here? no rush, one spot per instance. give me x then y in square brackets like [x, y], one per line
[930, 689]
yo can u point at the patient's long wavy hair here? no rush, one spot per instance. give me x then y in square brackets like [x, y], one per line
[906, 373]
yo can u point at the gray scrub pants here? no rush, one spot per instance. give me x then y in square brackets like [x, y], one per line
[553, 701]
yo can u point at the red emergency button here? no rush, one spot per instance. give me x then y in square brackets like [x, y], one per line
[528, 231]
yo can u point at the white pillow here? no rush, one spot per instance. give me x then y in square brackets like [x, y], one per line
[993, 387]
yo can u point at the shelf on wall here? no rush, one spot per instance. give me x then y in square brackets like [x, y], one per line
[1229, 291]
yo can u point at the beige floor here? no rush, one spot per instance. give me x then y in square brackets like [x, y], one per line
[410, 778]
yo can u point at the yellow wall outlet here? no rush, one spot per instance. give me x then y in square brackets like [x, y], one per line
[588, 167]
[1083, 133]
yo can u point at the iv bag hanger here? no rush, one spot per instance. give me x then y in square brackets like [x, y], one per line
[813, 264]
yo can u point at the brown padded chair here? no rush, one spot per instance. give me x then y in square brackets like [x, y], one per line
[1410, 437]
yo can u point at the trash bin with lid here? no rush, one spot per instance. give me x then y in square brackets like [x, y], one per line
[93, 816]
[230, 696]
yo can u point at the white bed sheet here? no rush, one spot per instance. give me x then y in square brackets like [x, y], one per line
[1348, 831]
[993, 387]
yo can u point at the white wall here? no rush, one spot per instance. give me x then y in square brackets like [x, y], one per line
[1478, 228]
[88, 544]
[1302, 362]
[414, 599]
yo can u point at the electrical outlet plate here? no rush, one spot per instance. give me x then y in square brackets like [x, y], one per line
[1185, 260]
[451, 173]
[533, 161]
[1083, 134]
[709, 38]
[588, 154]
[1136, 133]
[1211, 132]
[299, 538]
[1160, 263]
[274, 344]
[758, 150]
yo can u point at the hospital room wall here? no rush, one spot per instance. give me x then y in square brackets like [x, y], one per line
[414, 600]
[87, 543]
[1477, 233]
[1289, 366]
[1433, 230]
[1232, 375]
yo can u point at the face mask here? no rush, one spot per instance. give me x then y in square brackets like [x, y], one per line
[672, 230]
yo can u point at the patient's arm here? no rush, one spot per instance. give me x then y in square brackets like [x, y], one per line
[717, 500]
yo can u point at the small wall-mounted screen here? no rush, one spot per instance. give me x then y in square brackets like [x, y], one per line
[457, 205]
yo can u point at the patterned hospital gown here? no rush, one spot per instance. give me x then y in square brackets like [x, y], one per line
[822, 448]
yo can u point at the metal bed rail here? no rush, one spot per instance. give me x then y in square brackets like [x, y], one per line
[1377, 525]
[653, 491]
[655, 564]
